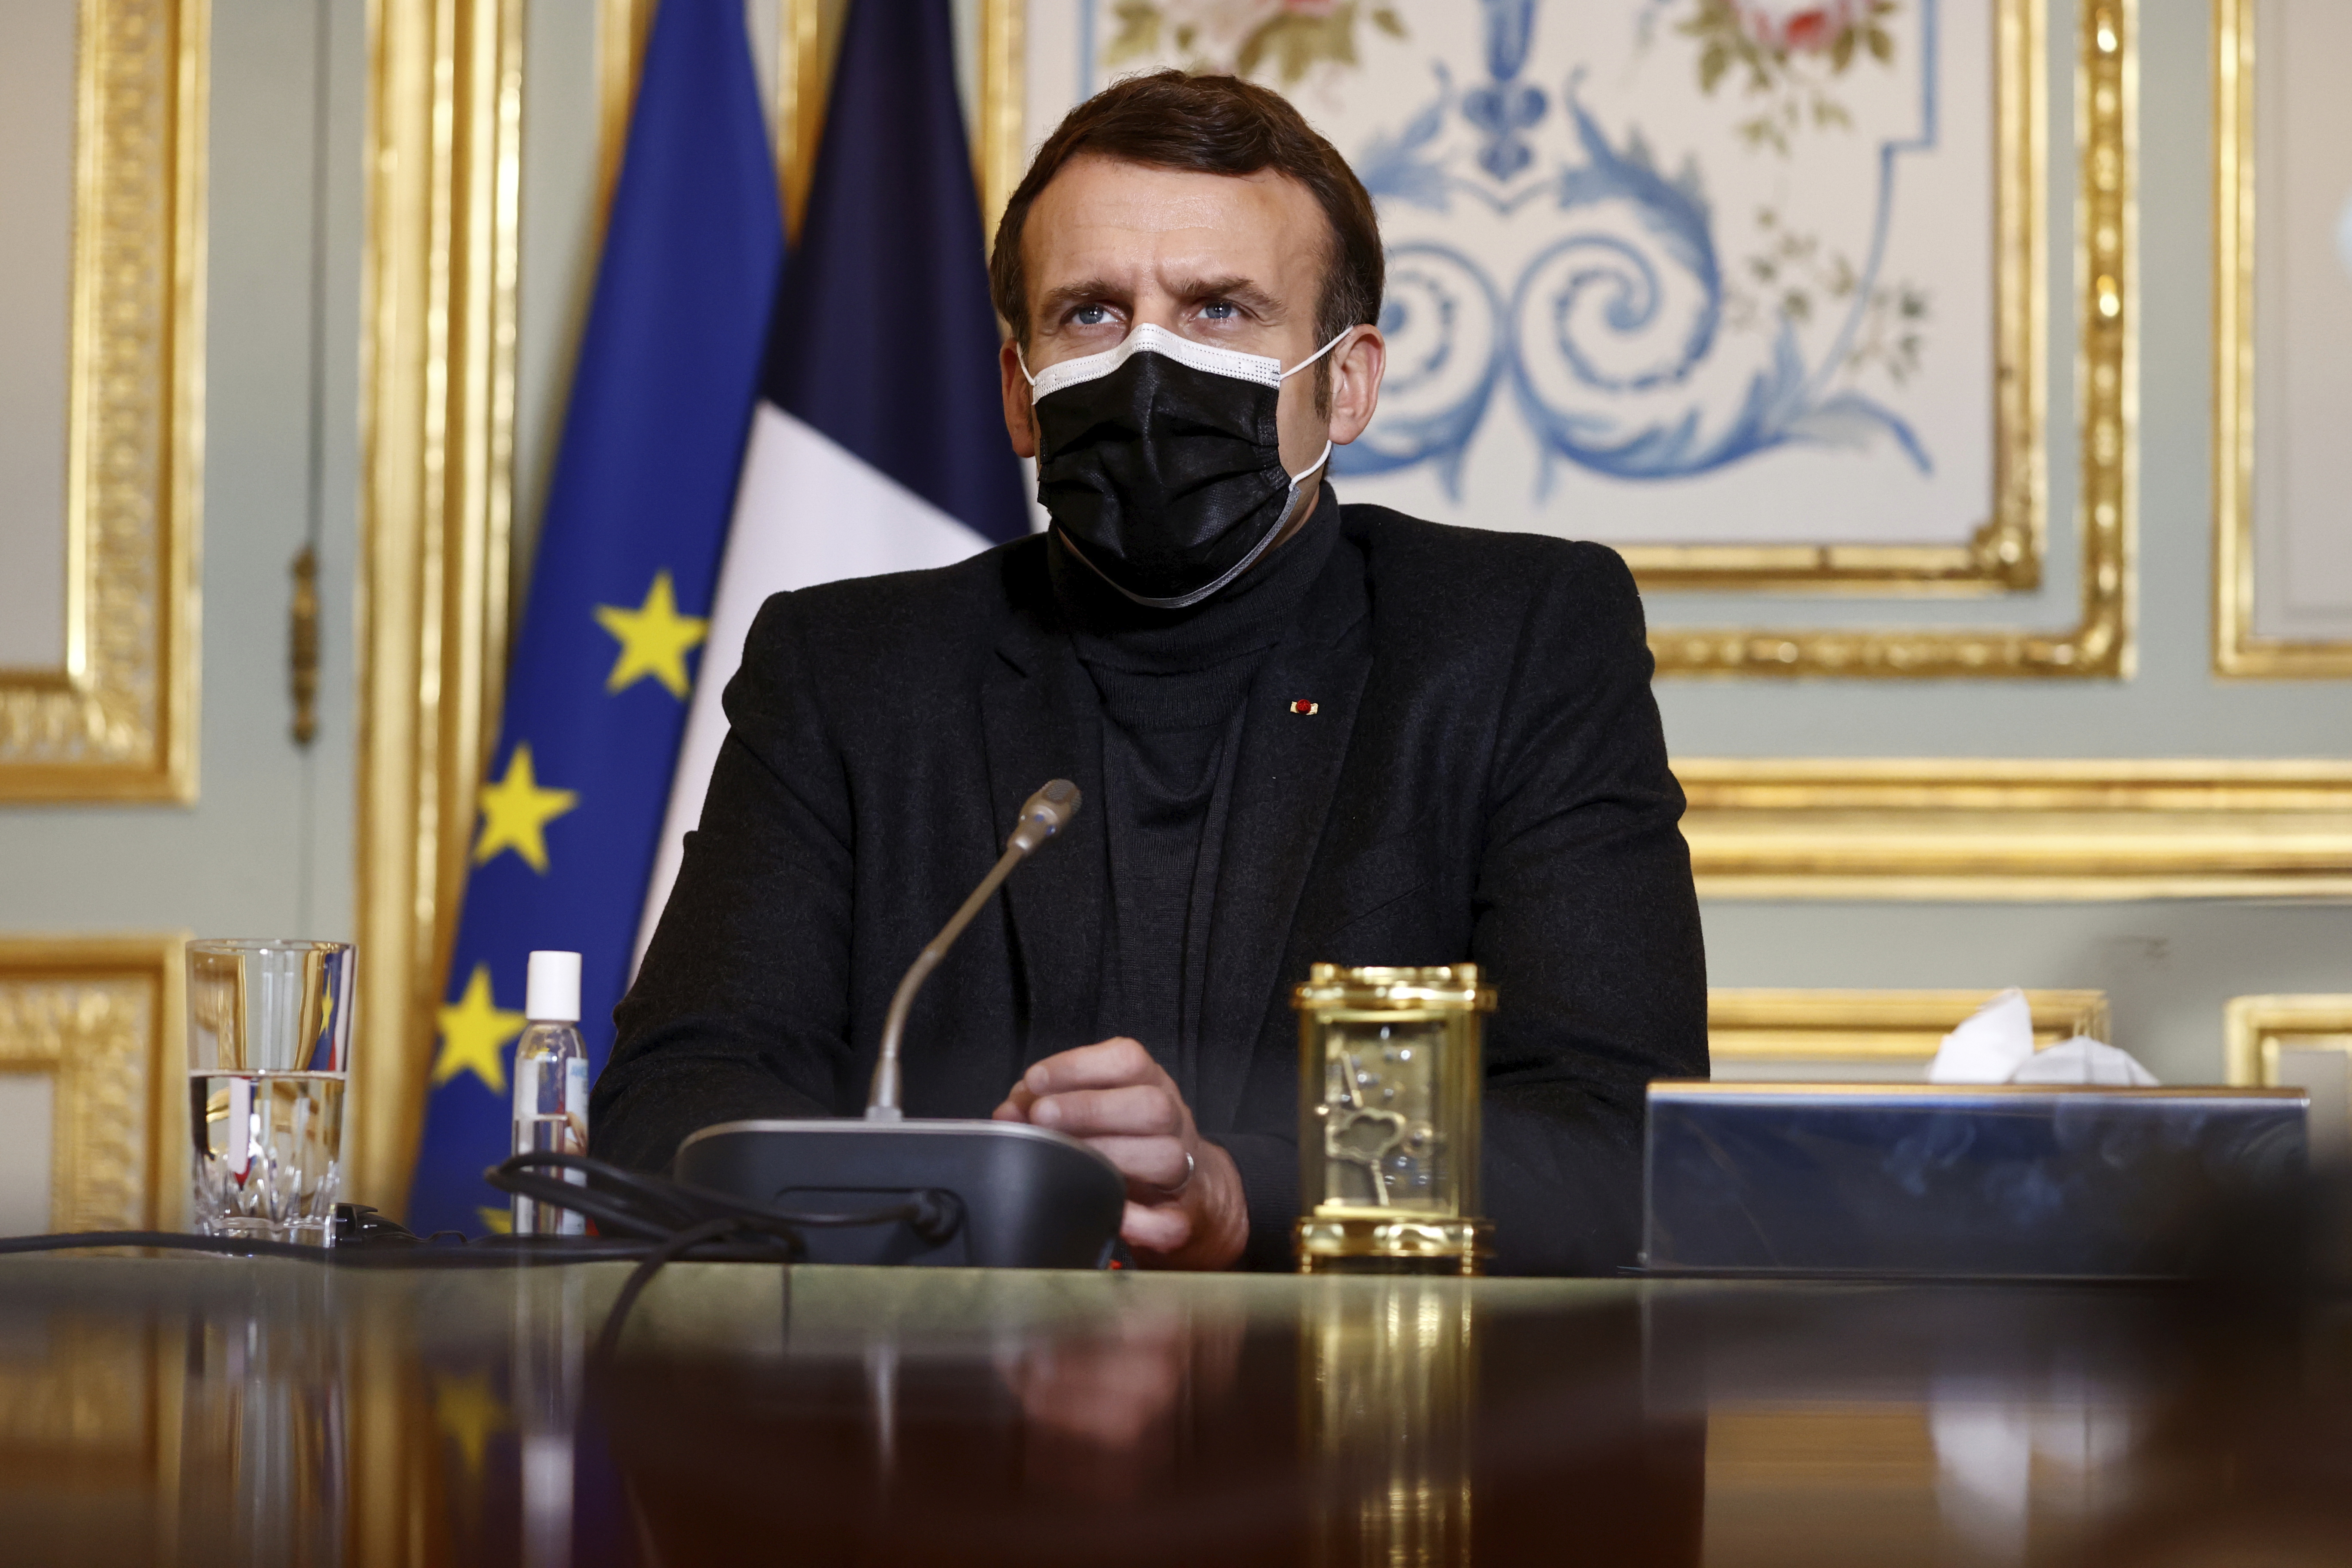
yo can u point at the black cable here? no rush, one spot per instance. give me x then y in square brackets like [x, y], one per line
[668, 1252]
[934, 1214]
[712, 1218]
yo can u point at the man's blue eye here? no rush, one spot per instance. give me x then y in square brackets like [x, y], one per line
[1090, 315]
[1218, 311]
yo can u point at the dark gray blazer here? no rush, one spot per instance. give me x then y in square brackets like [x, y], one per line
[1484, 778]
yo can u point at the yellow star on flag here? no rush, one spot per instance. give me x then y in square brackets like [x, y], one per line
[497, 1222]
[516, 812]
[654, 638]
[469, 1415]
[473, 1033]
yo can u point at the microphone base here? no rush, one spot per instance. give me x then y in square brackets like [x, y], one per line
[1032, 1198]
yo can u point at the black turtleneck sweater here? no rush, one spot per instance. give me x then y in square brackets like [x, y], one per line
[1171, 685]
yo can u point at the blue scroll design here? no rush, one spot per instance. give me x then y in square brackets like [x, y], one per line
[1447, 351]
[1606, 333]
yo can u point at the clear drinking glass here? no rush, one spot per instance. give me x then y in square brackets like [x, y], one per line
[269, 1024]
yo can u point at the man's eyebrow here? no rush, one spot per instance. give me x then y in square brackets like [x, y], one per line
[1093, 292]
[1242, 291]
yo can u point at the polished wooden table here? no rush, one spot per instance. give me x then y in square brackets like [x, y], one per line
[201, 1411]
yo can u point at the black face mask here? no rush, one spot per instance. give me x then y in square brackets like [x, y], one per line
[1160, 464]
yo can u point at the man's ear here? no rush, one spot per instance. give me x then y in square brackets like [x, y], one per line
[1020, 416]
[1357, 366]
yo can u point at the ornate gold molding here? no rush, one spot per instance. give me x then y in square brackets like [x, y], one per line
[2106, 296]
[1842, 827]
[1870, 1029]
[2238, 651]
[118, 721]
[443, 137]
[105, 1018]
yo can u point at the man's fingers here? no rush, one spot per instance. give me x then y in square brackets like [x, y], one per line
[1017, 1101]
[1108, 1064]
[1155, 1227]
[1158, 1163]
[1138, 1111]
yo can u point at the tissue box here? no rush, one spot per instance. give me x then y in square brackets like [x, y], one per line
[1997, 1180]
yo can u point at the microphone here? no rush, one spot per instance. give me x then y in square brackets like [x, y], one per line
[1043, 815]
[1023, 1196]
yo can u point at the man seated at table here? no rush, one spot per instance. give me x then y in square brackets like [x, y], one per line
[1304, 731]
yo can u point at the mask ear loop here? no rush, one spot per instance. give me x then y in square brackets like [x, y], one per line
[1299, 478]
[1319, 353]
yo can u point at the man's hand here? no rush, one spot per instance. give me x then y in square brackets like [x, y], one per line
[1116, 1097]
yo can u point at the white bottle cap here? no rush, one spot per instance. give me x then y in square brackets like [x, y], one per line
[553, 994]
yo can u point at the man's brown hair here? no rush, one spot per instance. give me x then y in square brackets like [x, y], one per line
[1209, 125]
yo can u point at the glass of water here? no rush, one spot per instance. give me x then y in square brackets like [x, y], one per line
[269, 1024]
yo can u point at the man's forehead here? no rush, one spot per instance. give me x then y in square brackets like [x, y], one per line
[1098, 207]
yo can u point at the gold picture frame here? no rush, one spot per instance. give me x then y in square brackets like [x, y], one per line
[1868, 1033]
[2006, 553]
[2238, 649]
[117, 722]
[106, 1018]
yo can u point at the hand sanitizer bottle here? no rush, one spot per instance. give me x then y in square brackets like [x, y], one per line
[551, 1085]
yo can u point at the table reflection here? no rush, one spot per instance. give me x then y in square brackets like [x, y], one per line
[200, 1412]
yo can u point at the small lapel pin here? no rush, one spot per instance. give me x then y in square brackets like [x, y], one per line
[1303, 706]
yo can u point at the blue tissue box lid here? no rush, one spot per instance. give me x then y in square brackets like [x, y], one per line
[2011, 1180]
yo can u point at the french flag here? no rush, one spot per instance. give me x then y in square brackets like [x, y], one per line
[877, 443]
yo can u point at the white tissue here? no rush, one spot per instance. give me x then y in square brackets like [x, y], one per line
[2083, 1060]
[1991, 1043]
[1995, 1044]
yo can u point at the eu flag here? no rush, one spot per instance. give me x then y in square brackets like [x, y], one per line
[620, 595]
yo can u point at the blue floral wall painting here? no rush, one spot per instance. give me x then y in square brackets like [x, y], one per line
[1661, 272]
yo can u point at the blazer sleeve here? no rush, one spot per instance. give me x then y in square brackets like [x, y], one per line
[1586, 922]
[741, 1008]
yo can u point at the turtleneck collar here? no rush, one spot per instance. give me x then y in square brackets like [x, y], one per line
[1110, 629]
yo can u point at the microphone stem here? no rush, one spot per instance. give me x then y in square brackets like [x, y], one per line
[882, 1101]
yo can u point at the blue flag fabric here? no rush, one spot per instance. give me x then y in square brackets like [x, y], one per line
[628, 556]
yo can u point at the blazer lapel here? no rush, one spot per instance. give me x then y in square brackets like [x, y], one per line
[1040, 725]
[1283, 785]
